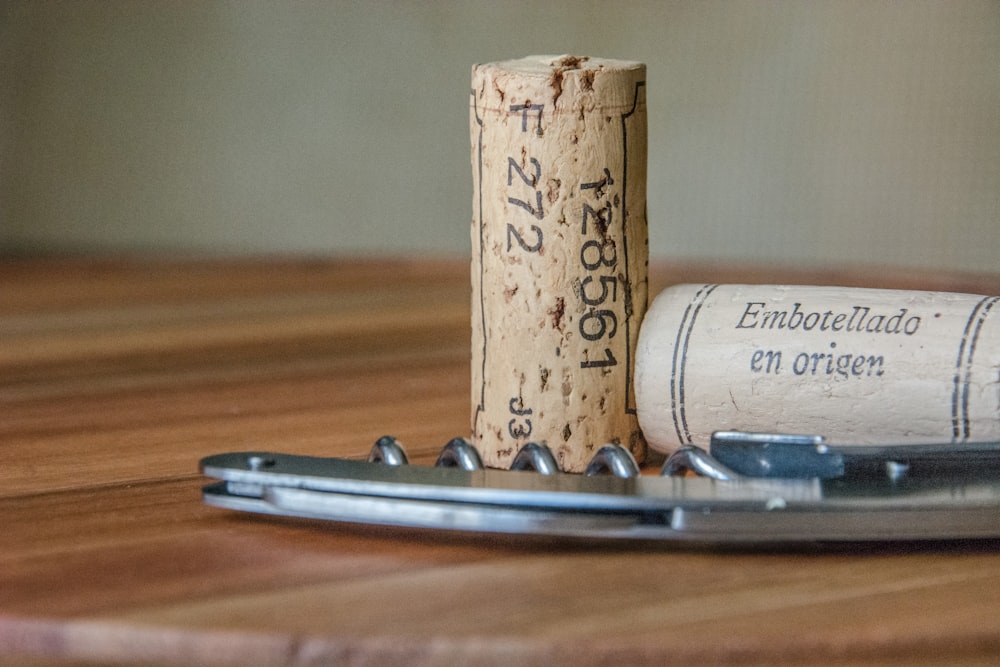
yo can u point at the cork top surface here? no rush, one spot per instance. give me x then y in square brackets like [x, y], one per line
[545, 65]
[561, 83]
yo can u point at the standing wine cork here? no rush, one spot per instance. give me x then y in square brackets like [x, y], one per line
[559, 261]
[858, 366]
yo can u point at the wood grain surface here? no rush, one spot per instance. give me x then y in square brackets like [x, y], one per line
[117, 376]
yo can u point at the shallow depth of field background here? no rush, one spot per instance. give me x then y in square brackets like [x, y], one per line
[798, 133]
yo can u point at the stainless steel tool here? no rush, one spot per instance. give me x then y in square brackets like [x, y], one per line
[727, 495]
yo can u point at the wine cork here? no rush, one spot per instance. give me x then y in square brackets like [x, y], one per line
[858, 366]
[559, 255]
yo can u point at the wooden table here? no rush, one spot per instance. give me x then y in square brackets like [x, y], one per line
[116, 377]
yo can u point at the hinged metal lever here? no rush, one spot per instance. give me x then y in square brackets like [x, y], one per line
[733, 454]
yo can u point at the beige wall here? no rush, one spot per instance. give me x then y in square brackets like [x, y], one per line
[796, 132]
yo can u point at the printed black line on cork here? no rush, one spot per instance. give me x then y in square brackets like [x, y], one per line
[960, 427]
[630, 407]
[482, 309]
[677, 406]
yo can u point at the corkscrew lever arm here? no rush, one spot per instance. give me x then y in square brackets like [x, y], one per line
[808, 456]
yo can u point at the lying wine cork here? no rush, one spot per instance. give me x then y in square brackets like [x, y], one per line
[859, 366]
[559, 261]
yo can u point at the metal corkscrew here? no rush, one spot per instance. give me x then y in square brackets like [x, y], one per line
[746, 489]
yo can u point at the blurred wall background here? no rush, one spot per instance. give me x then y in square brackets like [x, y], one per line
[800, 133]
